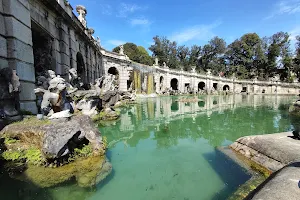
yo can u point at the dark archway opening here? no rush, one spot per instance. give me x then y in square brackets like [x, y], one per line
[174, 84]
[215, 86]
[80, 67]
[130, 82]
[161, 83]
[226, 88]
[201, 104]
[201, 86]
[113, 71]
[244, 89]
[42, 50]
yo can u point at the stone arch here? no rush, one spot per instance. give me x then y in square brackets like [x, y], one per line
[174, 84]
[226, 88]
[161, 83]
[215, 86]
[80, 65]
[201, 86]
[113, 71]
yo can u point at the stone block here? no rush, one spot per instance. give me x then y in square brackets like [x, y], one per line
[29, 106]
[19, 50]
[3, 47]
[65, 59]
[27, 91]
[16, 29]
[2, 24]
[1, 6]
[3, 63]
[25, 71]
[18, 9]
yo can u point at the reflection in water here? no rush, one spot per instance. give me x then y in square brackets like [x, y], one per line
[165, 149]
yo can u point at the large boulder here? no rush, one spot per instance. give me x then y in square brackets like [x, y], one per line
[54, 139]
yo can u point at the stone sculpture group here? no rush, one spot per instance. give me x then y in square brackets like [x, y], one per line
[58, 98]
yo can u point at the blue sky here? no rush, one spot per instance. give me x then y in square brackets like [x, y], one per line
[188, 22]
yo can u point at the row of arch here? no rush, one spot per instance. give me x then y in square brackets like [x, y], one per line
[201, 85]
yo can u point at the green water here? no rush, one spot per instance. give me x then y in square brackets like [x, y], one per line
[164, 149]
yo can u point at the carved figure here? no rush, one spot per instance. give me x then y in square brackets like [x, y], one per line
[54, 99]
[121, 52]
[9, 96]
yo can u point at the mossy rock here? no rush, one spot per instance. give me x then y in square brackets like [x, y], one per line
[107, 116]
[41, 142]
[87, 171]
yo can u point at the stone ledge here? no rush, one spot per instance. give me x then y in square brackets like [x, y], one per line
[283, 184]
[272, 151]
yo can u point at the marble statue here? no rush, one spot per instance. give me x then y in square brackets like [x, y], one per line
[164, 65]
[156, 61]
[54, 98]
[82, 12]
[74, 79]
[208, 73]
[121, 51]
[98, 41]
[9, 96]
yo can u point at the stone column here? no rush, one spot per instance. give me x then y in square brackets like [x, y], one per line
[16, 36]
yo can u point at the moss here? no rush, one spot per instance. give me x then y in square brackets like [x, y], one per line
[26, 112]
[32, 156]
[84, 170]
[9, 141]
[85, 151]
[244, 190]
[13, 155]
[32, 121]
[111, 116]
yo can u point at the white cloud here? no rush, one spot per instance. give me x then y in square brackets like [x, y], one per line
[140, 21]
[126, 9]
[198, 32]
[116, 42]
[294, 33]
[286, 7]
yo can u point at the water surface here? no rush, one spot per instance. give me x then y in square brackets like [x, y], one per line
[165, 149]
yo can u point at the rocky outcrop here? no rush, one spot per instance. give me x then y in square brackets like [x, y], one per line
[54, 139]
[272, 151]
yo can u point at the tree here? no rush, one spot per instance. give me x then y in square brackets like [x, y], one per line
[194, 55]
[296, 60]
[246, 56]
[136, 53]
[165, 51]
[211, 56]
[183, 53]
[278, 55]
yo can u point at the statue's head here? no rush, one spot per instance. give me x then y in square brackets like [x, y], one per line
[51, 74]
[73, 72]
[57, 83]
